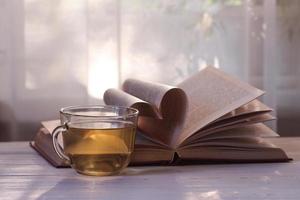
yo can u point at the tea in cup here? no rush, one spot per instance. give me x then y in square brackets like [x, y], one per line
[97, 140]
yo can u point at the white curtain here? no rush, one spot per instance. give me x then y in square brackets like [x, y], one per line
[55, 53]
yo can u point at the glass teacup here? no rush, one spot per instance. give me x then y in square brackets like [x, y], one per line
[97, 140]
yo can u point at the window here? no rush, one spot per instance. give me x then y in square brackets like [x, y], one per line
[59, 53]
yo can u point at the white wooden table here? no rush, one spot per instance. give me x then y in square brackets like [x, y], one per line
[25, 175]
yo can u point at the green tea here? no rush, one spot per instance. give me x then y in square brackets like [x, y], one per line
[99, 148]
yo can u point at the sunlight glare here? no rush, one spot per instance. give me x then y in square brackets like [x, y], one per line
[216, 62]
[213, 195]
[103, 71]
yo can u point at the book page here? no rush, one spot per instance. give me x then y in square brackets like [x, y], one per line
[254, 106]
[168, 105]
[235, 142]
[212, 94]
[121, 98]
[144, 142]
[246, 131]
[234, 124]
[152, 93]
[253, 117]
[251, 130]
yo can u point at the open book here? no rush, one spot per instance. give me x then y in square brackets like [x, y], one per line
[209, 117]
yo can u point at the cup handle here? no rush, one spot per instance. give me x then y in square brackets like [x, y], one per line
[56, 146]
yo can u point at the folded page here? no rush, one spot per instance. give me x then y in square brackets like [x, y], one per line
[162, 107]
[121, 98]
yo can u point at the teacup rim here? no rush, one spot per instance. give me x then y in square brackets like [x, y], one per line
[135, 111]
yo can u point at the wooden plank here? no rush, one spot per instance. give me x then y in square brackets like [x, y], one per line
[25, 175]
[263, 181]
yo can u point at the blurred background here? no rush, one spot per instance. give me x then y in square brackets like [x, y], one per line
[56, 53]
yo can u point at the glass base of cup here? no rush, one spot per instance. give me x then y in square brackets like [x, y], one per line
[100, 165]
[96, 173]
